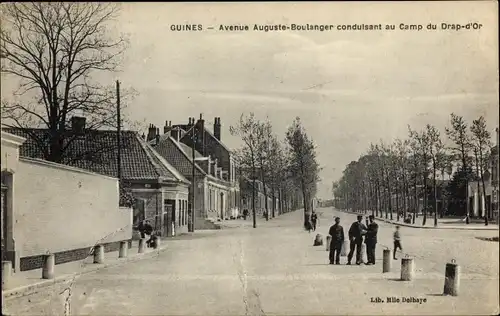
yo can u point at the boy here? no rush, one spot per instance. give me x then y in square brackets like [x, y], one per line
[397, 242]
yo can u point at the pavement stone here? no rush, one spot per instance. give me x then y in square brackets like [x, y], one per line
[29, 282]
[275, 270]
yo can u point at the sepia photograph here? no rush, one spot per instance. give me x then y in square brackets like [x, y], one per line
[250, 158]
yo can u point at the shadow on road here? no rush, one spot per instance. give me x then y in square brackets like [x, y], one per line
[495, 239]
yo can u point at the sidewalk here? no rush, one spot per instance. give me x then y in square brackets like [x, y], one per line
[442, 223]
[29, 282]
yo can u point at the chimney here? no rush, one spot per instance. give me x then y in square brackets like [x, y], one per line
[166, 128]
[217, 128]
[151, 133]
[201, 134]
[175, 133]
[157, 139]
[169, 123]
[78, 124]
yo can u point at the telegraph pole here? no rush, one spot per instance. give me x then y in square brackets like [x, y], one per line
[193, 185]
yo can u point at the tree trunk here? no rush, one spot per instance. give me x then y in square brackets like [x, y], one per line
[397, 201]
[273, 194]
[415, 202]
[435, 193]
[424, 221]
[253, 196]
[479, 204]
[484, 188]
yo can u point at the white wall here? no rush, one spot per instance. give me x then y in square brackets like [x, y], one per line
[60, 208]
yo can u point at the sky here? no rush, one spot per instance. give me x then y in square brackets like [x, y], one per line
[349, 88]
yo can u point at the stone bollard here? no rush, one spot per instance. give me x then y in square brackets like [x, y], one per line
[142, 245]
[157, 243]
[345, 247]
[6, 274]
[328, 241]
[123, 249]
[407, 269]
[318, 241]
[99, 254]
[386, 264]
[451, 279]
[48, 266]
[364, 257]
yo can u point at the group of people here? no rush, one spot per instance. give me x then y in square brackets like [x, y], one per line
[357, 232]
[145, 229]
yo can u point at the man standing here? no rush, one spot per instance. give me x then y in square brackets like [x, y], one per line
[314, 220]
[337, 233]
[371, 240]
[356, 232]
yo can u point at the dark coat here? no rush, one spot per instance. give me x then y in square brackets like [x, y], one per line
[371, 233]
[148, 229]
[357, 230]
[337, 233]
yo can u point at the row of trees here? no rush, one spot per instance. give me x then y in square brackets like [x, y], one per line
[393, 177]
[285, 166]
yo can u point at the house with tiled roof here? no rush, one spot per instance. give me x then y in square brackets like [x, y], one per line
[246, 185]
[160, 189]
[217, 190]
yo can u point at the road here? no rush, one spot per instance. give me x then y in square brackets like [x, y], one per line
[275, 270]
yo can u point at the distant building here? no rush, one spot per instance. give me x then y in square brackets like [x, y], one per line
[246, 185]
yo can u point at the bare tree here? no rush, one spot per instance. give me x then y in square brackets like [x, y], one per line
[481, 140]
[436, 152]
[459, 135]
[421, 145]
[263, 159]
[54, 49]
[402, 160]
[303, 163]
[249, 129]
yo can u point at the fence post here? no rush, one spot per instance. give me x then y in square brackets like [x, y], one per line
[123, 249]
[142, 245]
[407, 269]
[386, 265]
[6, 274]
[99, 254]
[48, 266]
[451, 279]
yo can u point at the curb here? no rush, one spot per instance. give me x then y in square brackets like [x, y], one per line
[31, 289]
[421, 227]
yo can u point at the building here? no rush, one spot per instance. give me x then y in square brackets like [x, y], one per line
[53, 208]
[161, 191]
[210, 188]
[217, 190]
[246, 185]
